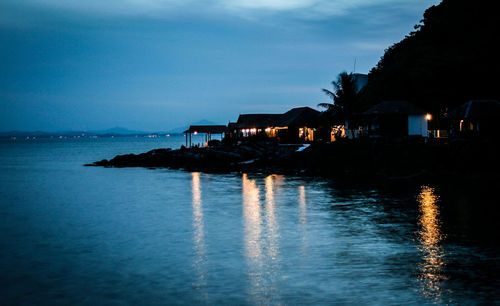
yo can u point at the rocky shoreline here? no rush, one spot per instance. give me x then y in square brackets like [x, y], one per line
[251, 156]
[349, 159]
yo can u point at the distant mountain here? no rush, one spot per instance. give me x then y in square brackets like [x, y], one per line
[183, 128]
[116, 131]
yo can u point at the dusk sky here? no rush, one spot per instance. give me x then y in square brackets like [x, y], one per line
[159, 64]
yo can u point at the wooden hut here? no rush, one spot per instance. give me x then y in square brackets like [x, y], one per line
[476, 118]
[396, 118]
[296, 125]
[207, 130]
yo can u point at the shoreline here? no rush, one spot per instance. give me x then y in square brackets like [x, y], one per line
[356, 160]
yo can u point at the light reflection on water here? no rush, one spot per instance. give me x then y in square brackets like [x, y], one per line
[198, 234]
[302, 204]
[430, 236]
[272, 225]
[261, 239]
[303, 219]
[191, 238]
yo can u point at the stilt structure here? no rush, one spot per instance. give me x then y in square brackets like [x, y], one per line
[208, 130]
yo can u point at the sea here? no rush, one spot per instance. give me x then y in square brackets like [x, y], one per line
[76, 235]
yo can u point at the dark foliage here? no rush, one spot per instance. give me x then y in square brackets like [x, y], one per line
[452, 57]
[344, 97]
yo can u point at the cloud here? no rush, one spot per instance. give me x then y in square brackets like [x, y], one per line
[307, 9]
[277, 5]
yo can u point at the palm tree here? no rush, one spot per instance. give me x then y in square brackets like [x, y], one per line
[345, 98]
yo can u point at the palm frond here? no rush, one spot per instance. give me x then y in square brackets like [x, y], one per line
[329, 93]
[326, 105]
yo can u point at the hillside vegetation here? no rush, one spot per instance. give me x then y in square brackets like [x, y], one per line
[450, 58]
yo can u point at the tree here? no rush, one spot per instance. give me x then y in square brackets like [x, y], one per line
[345, 98]
[451, 58]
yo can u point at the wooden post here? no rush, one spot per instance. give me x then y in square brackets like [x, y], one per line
[186, 140]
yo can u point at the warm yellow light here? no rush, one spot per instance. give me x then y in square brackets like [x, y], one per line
[428, 117]
[430, 238]
[268, 130]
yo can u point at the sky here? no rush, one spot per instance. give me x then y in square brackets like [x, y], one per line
[155, 65]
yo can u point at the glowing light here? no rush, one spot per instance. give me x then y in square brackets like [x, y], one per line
[253, 223]
[268, 130]
[428, 117]
[430, 237]
[195, 132]
[261, 234]
[198, 231]
[302, 204]
[272, 225]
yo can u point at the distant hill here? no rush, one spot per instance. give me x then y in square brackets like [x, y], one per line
[452, 57]
[116, 131]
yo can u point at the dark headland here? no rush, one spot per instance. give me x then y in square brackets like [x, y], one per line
[357, 160]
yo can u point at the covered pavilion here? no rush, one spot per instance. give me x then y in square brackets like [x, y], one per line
[208, 130]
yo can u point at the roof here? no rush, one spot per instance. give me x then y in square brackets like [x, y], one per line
[212, 129]
[300, 116]
[394, 108]
[258, 120]
[476, 109]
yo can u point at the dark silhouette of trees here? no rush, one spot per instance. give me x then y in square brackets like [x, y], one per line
[345, 100]
[450, 58]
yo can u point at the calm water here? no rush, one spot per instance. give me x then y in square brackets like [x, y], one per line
[83, 235]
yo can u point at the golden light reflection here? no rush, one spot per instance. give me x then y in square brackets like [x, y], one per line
[261, 237]
[430, 237]
[272, 225]
[252, 216]
[253, 230]
[198, 231]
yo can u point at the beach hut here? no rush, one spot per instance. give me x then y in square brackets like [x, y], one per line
[397, 118]
[297, 124]
[207, 130]
[253, 124]
[476, 118]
